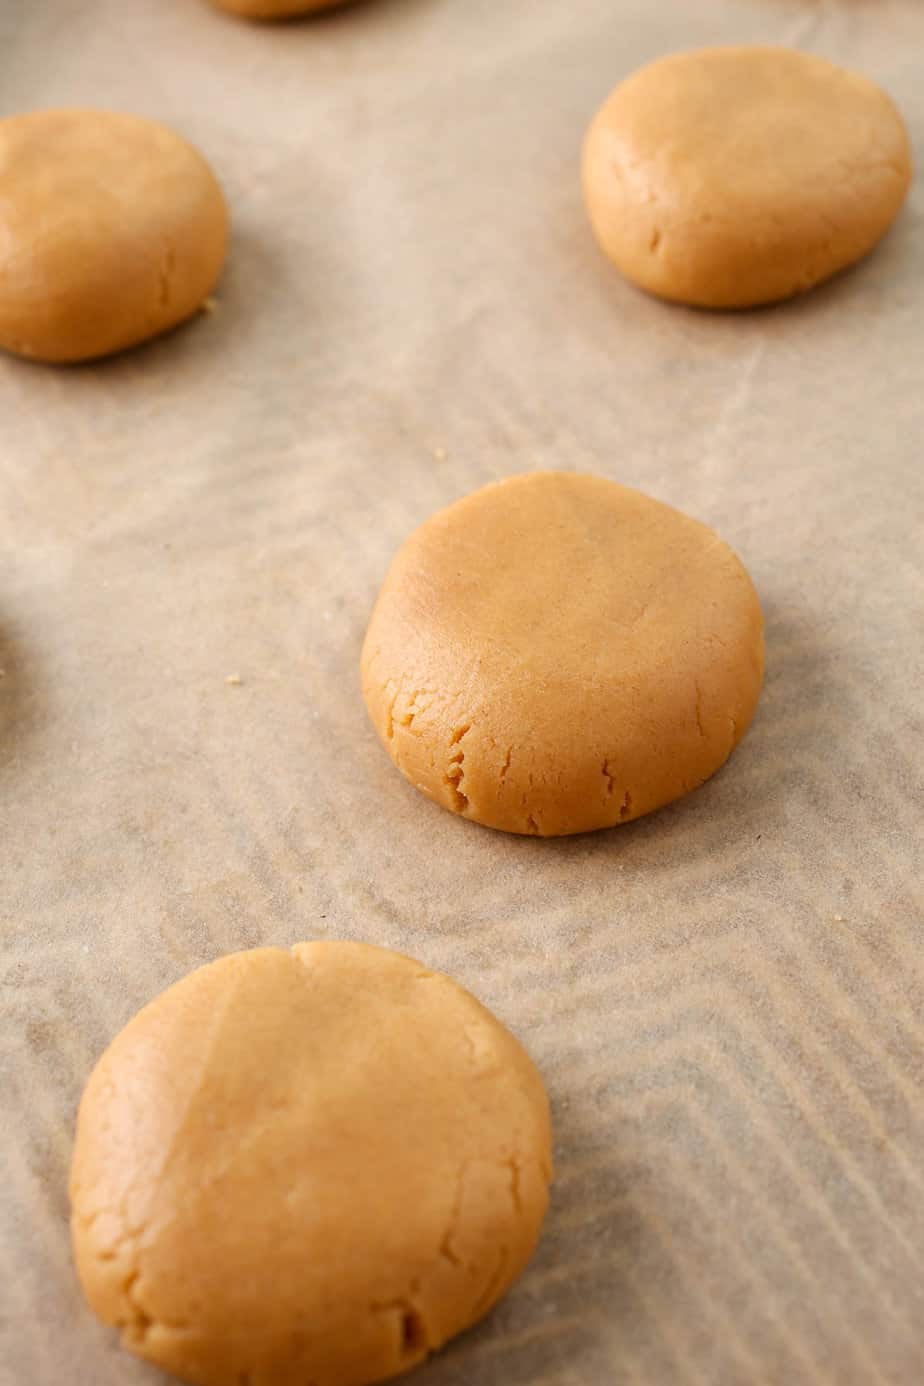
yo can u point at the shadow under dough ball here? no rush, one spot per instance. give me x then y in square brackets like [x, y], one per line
[556, 653]
[313, 1165]
[112, 230]
[732, 177]
[276, 9]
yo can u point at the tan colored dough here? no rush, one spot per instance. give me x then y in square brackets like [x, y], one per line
[730, 177]
[112, 230]
[556, 653]
[276, 9]
[307, 1166]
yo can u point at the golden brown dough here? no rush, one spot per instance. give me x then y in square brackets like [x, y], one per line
[276, 9]
[728, 177]
[307, 1166]
[112, 230]
[556, 653]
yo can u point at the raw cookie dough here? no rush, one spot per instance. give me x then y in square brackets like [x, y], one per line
[112, 230]
[557, 653]
[729, 177]
[276, 9]
[306, 1166]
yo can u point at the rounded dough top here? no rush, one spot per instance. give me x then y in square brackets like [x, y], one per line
[557, 653]
[112, 230]
[314, 1165]
[733, 176]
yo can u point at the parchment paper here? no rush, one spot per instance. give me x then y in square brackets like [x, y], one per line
[727, 998]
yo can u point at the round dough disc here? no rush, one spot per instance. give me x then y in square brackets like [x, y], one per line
[557, 653]
[276, 9]
[729, 177]
[306, 1166]
[112, 230]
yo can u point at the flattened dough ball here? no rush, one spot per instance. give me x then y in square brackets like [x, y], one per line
[112, 230]
[276, 9]
[306, 1166]
[556, 653]
[730, 177]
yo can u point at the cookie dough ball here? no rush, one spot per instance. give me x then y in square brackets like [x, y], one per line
[730, 177]
[276, 9]
[556, 653]
[306, 1166]
[112, 230]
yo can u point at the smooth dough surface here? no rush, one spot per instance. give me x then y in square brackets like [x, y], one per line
[276, 9]
[556, 653]
[307, 1166]
[731, 177]
[112, 230]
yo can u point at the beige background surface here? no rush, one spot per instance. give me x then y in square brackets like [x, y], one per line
[727, 999]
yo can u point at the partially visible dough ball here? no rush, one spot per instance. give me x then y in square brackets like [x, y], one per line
[276, 9]
[112, 230]
[730, 177]
[306, 1166]
[556, 653]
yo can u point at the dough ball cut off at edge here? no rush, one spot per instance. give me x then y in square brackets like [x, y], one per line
[734, 177]
[313, 1165]
[557, 653]
[277, 9]
[113, 229]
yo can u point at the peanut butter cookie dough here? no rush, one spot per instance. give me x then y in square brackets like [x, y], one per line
[730, 177]
[276, 9]
[557, 653]
[306, 1166]
[112, 230]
